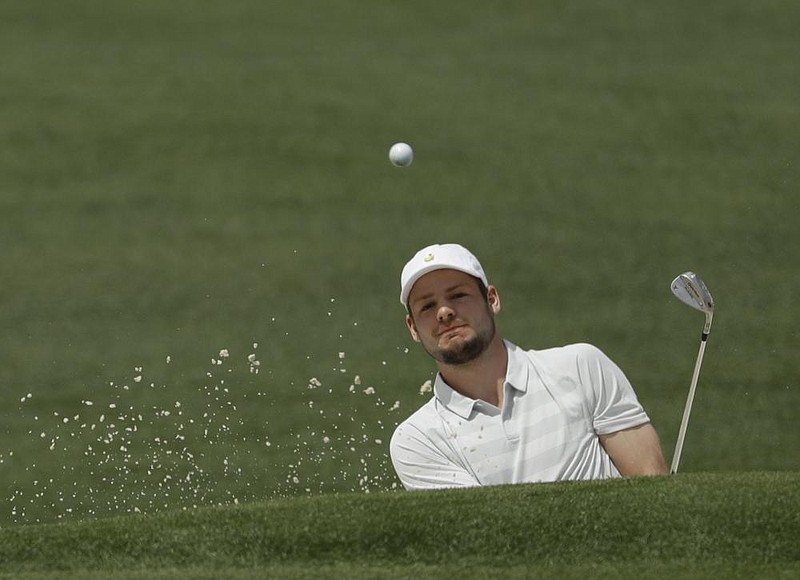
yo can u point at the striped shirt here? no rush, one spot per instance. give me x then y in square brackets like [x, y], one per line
[556, 403]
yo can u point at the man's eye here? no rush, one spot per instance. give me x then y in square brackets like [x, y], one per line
[426, 306]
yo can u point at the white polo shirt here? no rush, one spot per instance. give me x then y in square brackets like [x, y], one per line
[556, 403]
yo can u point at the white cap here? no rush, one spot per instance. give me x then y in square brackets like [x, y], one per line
[438, 257]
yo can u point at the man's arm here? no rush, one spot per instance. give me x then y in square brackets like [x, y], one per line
[635, 451]
[421, 464]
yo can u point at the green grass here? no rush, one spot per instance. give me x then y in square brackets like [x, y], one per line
[180, 178]
[684, 526]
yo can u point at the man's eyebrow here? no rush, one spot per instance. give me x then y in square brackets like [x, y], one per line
[446, 291]
[421, 298]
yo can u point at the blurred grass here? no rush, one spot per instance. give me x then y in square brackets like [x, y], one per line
[178, 179]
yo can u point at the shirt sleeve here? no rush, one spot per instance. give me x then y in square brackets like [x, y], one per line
[422, 463]
[612, 400]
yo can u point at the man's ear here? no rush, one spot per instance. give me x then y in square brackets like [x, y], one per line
[493, 298]
[412, 328]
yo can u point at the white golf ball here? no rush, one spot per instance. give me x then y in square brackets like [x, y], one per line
[401, 154]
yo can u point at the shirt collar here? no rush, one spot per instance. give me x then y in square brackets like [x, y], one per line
[516, 377]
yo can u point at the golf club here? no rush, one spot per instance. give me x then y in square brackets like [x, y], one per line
[690, 289]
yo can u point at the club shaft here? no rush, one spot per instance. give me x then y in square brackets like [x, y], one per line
[676, 457]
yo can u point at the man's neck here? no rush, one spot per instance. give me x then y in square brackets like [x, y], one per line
[482, 378]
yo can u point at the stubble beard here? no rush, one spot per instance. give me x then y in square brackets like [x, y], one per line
[466, 351]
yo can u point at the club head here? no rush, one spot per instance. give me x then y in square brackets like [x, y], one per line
[690, 289]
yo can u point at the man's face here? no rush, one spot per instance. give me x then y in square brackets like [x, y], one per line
[450, 316]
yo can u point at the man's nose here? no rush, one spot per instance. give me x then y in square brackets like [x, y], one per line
[445, 313]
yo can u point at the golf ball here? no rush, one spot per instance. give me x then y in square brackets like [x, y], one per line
[401, 154]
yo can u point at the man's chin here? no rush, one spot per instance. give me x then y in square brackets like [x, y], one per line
[460, 351]
[454, 340]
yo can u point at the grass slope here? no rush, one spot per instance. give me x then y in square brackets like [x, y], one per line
[687, 525]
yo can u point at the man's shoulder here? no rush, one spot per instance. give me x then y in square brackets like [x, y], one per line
[566, 354]
[420, 419]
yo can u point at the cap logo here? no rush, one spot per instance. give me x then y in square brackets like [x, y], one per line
[428, 258]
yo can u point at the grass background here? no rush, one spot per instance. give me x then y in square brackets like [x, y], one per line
[182, 178]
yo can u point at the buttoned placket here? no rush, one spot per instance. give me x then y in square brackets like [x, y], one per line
[509, 425]
[504, 414]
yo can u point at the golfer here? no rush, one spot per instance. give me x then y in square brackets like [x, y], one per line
[500, 414]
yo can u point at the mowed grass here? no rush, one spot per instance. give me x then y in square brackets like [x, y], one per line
[178, 179]
[692, 526]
